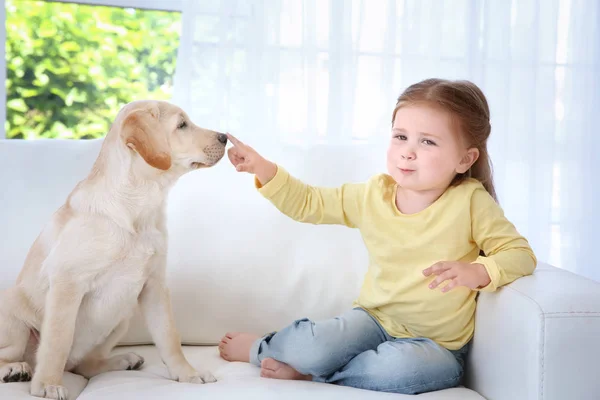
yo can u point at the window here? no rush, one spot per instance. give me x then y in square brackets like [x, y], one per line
[71, 66]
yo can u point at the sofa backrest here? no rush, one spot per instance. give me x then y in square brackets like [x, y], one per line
[235, 262]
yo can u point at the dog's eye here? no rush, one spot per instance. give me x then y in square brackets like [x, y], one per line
[182, 125]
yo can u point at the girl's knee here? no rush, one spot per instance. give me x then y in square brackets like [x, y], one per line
[304, 326]
[309, 335]
[309, 351]
[320, 348]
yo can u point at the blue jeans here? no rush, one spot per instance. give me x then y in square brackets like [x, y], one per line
[354, 350]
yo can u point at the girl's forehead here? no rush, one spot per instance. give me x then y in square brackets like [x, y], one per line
[422, 115]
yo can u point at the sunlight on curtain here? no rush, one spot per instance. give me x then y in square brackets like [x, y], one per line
[328, 72]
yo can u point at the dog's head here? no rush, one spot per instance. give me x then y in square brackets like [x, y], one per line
[163, 135]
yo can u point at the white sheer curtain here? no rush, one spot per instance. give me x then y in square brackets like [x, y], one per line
[312, 72]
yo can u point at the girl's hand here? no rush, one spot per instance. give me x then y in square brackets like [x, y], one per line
[473, 276]
[245, 159]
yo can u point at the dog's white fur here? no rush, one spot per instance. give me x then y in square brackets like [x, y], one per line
[103, 253]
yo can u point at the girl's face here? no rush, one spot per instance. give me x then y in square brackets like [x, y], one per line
[425, 153]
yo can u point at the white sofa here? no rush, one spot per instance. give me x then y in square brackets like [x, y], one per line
[236, 263]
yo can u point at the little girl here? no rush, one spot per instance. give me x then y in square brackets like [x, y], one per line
[435, 236]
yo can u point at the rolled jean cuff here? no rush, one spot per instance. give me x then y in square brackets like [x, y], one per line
[255, 348]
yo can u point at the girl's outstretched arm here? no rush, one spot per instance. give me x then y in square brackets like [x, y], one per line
[297, 200]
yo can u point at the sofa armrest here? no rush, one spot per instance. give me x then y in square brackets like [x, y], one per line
[538, 338]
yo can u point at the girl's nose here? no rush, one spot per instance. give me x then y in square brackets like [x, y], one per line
[409, 155]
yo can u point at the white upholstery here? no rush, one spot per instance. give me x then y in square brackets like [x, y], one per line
[235, 381]
[540, 334]
[236, 263]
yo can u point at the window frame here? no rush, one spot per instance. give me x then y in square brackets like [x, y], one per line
[158, 5]
[162, 5]
[3, 70]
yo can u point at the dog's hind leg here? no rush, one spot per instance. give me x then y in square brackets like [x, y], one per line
[14, 336]
[99, 360]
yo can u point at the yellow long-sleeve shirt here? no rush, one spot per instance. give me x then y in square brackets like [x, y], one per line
[455, 227]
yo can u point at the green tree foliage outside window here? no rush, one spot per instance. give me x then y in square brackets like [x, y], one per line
[71, 67]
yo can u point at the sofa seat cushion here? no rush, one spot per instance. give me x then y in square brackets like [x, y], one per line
[234, 381]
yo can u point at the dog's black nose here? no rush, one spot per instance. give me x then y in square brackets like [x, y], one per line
[222, 138]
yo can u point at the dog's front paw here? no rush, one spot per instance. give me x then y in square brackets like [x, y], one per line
[194, 376]
[48, 391]
[15, 372]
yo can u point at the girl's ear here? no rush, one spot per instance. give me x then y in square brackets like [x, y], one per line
[468, 160]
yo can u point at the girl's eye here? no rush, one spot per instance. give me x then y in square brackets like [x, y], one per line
[400, 137]
[429, 142]
[182, 125]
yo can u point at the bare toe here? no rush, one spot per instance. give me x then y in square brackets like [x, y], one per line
[274, 369]
[235, 346]
[223, 353]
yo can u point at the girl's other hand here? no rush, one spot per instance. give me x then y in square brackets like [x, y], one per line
[473, 276]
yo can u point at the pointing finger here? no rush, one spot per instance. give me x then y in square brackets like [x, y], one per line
[234, 140]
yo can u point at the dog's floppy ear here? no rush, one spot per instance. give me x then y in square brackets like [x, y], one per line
[138, 131]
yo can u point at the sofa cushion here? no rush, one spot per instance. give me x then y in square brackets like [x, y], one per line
[234, 381]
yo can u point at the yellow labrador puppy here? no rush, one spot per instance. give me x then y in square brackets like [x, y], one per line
[103, 253]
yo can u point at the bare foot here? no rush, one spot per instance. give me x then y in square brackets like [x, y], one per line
[270, 368]
[236, 346]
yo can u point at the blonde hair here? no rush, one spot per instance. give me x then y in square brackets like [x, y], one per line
[468, 107]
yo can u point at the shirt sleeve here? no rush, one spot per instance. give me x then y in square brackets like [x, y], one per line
[305, 203]
[508, 255]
